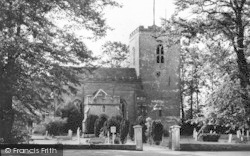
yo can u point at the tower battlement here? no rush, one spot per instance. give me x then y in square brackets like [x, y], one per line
[143, 29]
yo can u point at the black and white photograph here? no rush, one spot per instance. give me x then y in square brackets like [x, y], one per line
[125, 77]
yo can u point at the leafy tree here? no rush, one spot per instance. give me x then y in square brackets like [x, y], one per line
[225, 106]
[219, 20]
[33, 51]
[115, 54]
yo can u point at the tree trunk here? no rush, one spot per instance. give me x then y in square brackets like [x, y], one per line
[242, 65]
[6, 116]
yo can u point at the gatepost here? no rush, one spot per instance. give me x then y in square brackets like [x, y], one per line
[138, 137]
[175, 137]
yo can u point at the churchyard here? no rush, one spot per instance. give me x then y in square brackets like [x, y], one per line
[176, 138]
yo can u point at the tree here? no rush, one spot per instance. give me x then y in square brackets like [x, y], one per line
[115, 54]
[218, 20]
[224, 104]
[34, 52]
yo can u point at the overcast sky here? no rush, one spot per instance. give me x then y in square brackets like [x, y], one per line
[126, 19]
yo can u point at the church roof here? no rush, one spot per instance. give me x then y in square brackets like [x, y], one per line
[112, 74]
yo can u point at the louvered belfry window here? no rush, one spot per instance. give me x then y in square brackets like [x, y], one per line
[160, 54]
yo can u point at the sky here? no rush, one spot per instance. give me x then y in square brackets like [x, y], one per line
[133, 14]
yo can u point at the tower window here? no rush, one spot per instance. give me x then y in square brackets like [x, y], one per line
[160, 54]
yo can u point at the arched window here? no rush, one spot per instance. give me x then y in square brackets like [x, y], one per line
[160, 54]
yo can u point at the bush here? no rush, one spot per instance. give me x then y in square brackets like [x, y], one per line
[40, 129]
[131, 131]
[124, 129]
[56, 127]
[74, 117]
[157, 131]
[187, 128]
[99, 123]
[19, 134]
[90, 123]
[210, 137]
[113, 122]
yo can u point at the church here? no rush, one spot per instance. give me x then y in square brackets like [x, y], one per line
[149, 87]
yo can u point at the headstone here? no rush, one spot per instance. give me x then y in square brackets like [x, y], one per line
[78, 134]
[196, 136]
[247, 134]
[46, 134]
[83, 127]
[230, 138]
[138, 137]
[238, 134]
[108, 138]
[176, 138]
[113, 131]
[194, 133]
[70, 133]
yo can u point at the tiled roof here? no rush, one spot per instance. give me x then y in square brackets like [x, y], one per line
[113, 74]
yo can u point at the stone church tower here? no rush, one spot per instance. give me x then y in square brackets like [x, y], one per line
[157, 65]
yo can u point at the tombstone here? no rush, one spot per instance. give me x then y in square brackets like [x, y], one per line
[108, 138]
[175, 138]
[70, 133]
[229, 138]
[138, 137]
[46, 134]
[194, 133]
[83, 126]
[78, 134]
[113, 131]
[238, 134]
[247, 134]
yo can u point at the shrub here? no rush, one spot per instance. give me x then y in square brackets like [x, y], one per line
[210, 137]
[187, 128]
[19, 134]
[40, 129]
[56, 127]
[157, 131]
[74, 117]
[124, 129]
[131, 131]
[113, 122]
[90, 123]
[99, 123]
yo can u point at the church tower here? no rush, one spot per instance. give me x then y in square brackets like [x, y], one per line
[157, 65]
